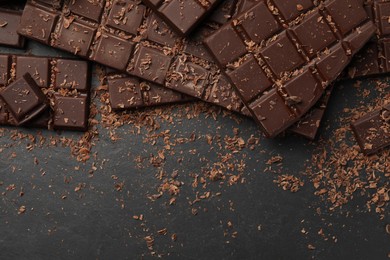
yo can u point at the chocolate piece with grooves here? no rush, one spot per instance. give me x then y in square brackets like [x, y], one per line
[281, 70]
[182, 16]
[64, 82]
[9, 23]
[372, 131]
[129, 37]
[127, 92]
[24, 99]
[374, 59]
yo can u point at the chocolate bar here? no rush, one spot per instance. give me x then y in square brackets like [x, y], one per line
[374, 59]
[182, 16]
[372, 131]
[9, 22]
[127, 36]
[24, 99]
[282, 56]
[127, 92]
[65, 83]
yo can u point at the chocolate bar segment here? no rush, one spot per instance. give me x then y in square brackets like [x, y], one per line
[129, 37]
[24, 99]
[64, 82]
[294, 53]
[374, 59]
[182, 16]
[9, 23]
[372, 131]
[127, 92]
[309, 124]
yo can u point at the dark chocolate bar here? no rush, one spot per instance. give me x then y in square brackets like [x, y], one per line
[127, 36]
[183, 16]
[282, 55]
[9, 23]
[128, 92]
[24, 99]
[65, 82]
[372, 131]
[374, 59]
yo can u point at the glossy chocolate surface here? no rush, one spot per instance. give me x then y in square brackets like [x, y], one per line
[282, 56]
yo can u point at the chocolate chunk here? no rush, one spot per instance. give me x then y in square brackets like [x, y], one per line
[182, 16]
[24, 99]
[372, 131]
[374, 59]
[129, 37]
[70, 113]
[9, 22]
[127, 92]
[59, 79]
[295, 49]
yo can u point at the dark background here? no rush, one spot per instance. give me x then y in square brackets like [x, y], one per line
[97, 221]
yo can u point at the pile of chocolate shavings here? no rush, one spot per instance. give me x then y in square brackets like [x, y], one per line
[340, 172]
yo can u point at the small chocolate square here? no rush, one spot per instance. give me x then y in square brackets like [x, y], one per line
[70, 113]
[126, 16]
[151, 64]
[346, 14]
[113, 51]
[24, 99]
[253, 23]
[282, 55]
[75, 37]
[37, 23]
[72, 74]
[125, 92]
[37, 67]
[226, 45]
[86, 8]
[250, 79]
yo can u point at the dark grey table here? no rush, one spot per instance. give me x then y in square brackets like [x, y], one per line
[97, 222]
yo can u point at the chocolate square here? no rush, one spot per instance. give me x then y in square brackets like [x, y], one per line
[270, 109]
[303, 91]
[37, 23]
[254, 20]
[113, 51]
[87, 8]
[125, 92]
[151, 64]
[250, 79]
[37, 67]
[24, 99]
[70, 113]
[71, 74]
[290, 9]
[282, 55]
[333, 64]
[346, 14]
[126, 16]
[226, 45]
[75, 37]
[314, 34]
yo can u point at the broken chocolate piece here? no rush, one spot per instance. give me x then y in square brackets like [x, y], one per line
[372, 131]
[24, 99]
